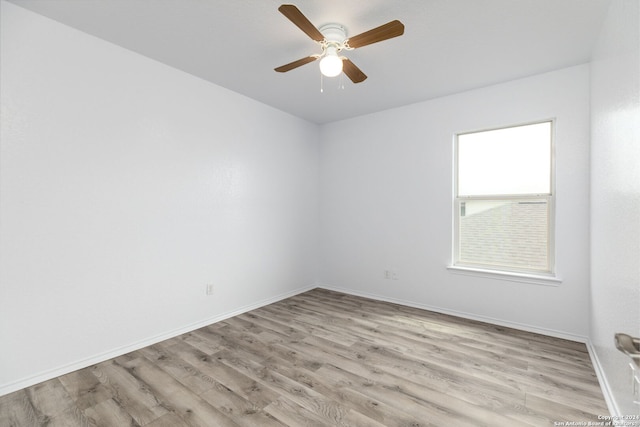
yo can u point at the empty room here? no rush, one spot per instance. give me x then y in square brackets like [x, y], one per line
[325, 213]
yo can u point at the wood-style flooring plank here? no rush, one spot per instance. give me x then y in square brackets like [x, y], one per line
[108, 412]
[329, 410]
[176, 398]
[209, 366]
[84, 388]
[17, 410]
[242, 411]
[324, 358]
[129, 393]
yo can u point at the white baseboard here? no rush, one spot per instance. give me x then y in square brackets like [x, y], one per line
[470, 316]
[80, 364]
[614, 410]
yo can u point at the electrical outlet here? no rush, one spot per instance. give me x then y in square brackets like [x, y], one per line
[394, 275]
[387, 274]
[209, 289]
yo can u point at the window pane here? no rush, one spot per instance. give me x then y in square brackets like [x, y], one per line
[514, 160]
[504, 233]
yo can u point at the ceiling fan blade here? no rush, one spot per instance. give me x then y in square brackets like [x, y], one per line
[295, 64]
[354, 73]
[301, 21]
[383, 32]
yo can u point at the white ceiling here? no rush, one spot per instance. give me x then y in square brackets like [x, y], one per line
[449, 46]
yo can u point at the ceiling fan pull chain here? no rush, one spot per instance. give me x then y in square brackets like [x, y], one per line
[321, 83]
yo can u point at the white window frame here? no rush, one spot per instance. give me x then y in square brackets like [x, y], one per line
[509, 273]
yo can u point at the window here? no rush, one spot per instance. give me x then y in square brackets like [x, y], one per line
[503, 213]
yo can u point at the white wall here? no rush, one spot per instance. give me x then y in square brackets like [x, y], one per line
[386, 203]
[126, 186]
[615, 195]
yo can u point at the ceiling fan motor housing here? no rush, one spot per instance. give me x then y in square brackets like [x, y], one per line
[334, 34]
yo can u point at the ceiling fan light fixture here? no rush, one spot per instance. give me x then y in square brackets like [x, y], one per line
[330, 65]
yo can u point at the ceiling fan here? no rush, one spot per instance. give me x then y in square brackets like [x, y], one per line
[332, 38]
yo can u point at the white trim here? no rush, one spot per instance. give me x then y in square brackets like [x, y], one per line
[510, 276]
[53, 373]
[614, 410]
[498, 322]
[119, 351]
[550, 197]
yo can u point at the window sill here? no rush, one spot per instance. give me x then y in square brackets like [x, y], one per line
[535, 279]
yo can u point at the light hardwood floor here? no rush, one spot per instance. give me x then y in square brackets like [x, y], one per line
[324, 358]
